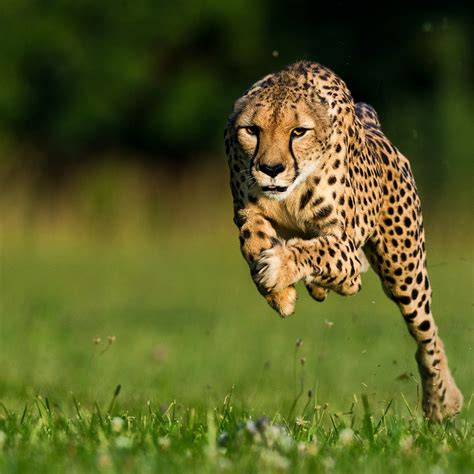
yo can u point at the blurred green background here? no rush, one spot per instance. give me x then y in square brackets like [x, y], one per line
[116, 214]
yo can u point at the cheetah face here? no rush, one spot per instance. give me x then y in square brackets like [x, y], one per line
[282, 145]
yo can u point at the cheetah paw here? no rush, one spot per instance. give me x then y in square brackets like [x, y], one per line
[439, 407]
[316, 292]
[276, 269]
[282, 301]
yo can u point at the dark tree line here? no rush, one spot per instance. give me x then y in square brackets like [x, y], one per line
[158, 78]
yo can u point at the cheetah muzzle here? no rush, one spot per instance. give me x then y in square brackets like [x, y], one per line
[318, 191]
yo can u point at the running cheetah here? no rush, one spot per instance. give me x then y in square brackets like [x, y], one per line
[319, 192]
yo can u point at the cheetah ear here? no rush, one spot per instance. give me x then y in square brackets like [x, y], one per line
[239, 106]
[242, 101]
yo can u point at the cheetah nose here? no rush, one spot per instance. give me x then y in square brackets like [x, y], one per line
[271, 171]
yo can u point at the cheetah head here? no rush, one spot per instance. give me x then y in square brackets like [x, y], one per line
[281, 132]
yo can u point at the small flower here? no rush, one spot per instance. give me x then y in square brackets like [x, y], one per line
[329, 324]
[303, 360]
[274, 460]
[406, 443]
[272, 435]
[301, 448]
[299, 342]
[97, 340]
[164, 443]
[116, 424]
[103, 461]
[301, 422]
[312, 448]
[285, 442]
[123, 442]
[110, 341]
[328, 463]
[346, 436]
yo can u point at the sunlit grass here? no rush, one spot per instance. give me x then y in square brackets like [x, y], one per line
[208, 372]
[46, 437]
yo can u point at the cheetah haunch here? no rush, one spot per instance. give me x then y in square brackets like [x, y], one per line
[316, 186]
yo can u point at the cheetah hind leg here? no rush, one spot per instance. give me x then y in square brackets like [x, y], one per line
[409, 287]
[319, 293]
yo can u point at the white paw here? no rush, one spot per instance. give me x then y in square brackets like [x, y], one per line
[283, 301]
[273, 270]
[268, 269]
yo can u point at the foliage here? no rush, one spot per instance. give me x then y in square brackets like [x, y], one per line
[86, 76]
[42, 438]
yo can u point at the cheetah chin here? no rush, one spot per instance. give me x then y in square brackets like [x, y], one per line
[301, 178]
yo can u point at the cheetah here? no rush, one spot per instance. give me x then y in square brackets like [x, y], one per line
[319, 193]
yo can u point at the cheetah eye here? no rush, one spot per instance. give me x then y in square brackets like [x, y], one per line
[298, 132]
[252, 130]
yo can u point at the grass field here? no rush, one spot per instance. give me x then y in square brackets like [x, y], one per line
[211, 379]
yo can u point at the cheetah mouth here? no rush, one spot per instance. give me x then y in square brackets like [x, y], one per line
[274, 189]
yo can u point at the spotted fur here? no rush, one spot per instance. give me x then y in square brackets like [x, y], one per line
[317, 189]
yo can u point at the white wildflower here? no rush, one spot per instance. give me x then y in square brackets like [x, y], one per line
[301, 422]
[346, 436]
[274, 460]
[406, 443]
[313, 448]
[272, 434]
[285, 442]
[164, 442]
[328, 463]
[116, 424]
[301, 448]
[123, 442]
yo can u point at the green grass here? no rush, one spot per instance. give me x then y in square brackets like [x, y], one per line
[201, 359]
[179, 439]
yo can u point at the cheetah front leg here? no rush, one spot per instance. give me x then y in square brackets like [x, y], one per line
[326, 262]
[256, 236]
[319, 293]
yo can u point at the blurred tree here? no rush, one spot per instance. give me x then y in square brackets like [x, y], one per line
[159, 78]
